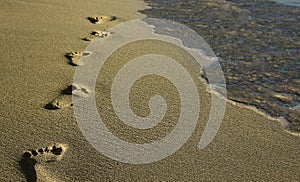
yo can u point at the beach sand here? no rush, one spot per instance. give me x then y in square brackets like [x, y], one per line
[35, 36]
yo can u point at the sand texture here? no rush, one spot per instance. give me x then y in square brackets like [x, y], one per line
[41, 42]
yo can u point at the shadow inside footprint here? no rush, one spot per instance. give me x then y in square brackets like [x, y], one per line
[27, 166]
[57, 150]
[49, 106]
[69, 90]
[92, 19]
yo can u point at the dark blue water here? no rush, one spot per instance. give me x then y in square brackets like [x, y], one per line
[258, 42]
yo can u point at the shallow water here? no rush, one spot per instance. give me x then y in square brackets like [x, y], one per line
[258, 42]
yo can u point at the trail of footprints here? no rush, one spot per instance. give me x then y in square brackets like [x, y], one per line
[31, 159]
[64, 100]
[75, 56]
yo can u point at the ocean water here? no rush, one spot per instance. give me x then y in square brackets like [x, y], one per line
[258, 43]
[289, 2]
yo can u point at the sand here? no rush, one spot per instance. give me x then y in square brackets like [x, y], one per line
[35, 37]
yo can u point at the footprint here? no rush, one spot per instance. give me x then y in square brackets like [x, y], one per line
[64, 100]
[32, 160]
[75, 56]
[95, 34]
[101, 19]
[99, 33]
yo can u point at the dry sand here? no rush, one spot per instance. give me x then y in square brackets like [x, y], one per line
[35, 35]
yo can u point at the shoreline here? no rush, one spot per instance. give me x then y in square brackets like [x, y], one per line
[36, 35]
[242, 35]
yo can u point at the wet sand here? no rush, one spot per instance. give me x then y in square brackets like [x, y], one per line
[35, 37]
